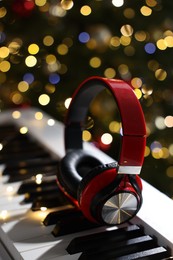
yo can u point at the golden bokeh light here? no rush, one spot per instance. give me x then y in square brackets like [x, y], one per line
[95, 62]
[86, 135]
[160, 74]
[23, 130]
[40, 2]
[33, 48]
[146, 11]
[16, 114]
[110, 73]
[5, 66]
[38, 115]
[44, 99]
[126, 30]
[85, 10]
[23, 86]
[30, 61]
[48, 40]
[4, 52]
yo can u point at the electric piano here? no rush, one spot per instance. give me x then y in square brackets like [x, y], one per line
[46, 225]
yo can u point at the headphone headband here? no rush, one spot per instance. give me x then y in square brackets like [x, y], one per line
[133, 123]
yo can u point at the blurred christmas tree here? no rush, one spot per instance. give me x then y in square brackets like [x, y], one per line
[48, 47]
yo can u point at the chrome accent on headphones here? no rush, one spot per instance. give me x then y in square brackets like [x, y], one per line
[129, 169]
[119, 208]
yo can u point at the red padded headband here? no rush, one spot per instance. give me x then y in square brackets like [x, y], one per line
[133, 123]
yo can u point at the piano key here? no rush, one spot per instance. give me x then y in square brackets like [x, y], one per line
[39, 193]
[7, 158]
[41, 182]
[30, 163]
[158, 253]
[51, 200]
[72, 223]
[90, 242]
[126, 247]
[52, 217]
[24, 174]
[46, 248]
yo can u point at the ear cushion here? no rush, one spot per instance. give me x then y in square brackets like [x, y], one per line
[95, 181]
[73, 167]
[93, 173]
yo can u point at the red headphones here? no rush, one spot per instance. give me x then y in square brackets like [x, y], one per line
[111, 193]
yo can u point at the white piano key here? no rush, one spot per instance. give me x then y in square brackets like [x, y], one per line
[30, 223]
[11, 201]
[44, 253]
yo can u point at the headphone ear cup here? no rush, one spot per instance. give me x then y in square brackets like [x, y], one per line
[109, 198]
[121, 203]
[96, 180]
[72, 168]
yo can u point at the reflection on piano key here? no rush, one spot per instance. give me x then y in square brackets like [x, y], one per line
[27, 234]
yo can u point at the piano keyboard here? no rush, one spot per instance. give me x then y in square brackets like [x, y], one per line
[38, 222]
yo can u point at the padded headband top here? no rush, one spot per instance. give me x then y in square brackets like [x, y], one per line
[133, 123]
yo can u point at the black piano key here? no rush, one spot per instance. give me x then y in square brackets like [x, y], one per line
[29, 163]
[24, 174]
[21, 148]
[55, 216]
[158, 253]
[111, 251]
[51, 200]
[41, 193]
[92, 241]
[32, 185]
[17, 142]
[8, 158]
[72, 223]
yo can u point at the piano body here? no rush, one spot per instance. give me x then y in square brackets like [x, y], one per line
[22, 232]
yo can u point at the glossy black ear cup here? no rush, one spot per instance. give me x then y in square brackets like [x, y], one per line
[73, 167]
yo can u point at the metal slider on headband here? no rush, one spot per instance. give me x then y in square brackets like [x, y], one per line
[129, 169]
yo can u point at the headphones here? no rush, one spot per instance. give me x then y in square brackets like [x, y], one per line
[105, 193]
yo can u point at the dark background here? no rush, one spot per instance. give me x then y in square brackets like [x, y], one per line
[133, 42]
